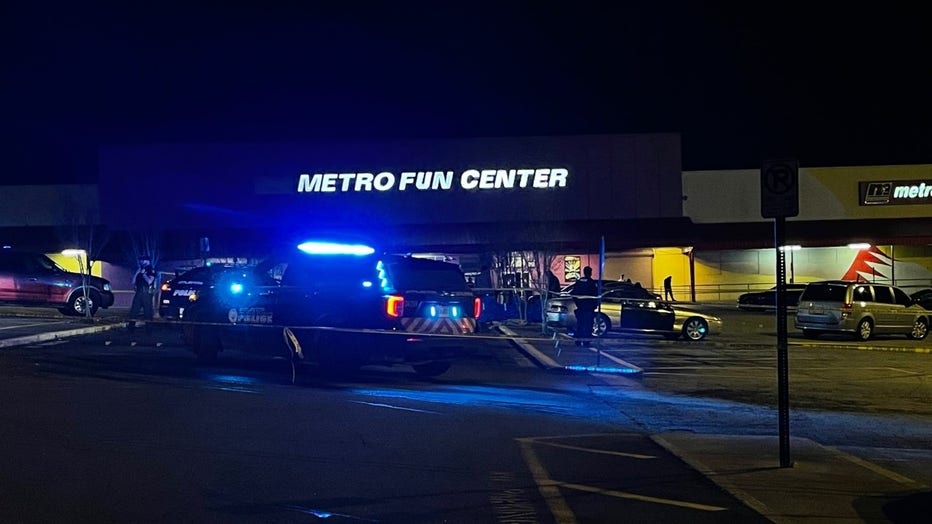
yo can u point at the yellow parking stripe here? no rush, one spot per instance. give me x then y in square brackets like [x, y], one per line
[597, 451]
[558, 507]
[633, 496]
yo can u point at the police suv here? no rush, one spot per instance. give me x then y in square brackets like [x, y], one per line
[341, 307]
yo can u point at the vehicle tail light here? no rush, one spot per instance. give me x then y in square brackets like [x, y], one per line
[394, 305]
[477, 307]
[166, 287]
[846, 309]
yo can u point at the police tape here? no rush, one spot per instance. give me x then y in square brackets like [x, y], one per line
[478, 335]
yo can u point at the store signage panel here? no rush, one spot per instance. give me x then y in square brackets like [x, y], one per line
[895, 192]
[426, 182]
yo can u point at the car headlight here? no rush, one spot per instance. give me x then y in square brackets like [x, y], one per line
[106, 286]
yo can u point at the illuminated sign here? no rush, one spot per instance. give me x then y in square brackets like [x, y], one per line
[895, 192]
[470, 180]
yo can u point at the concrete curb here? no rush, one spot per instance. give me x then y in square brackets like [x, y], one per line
[56, 335]
[546, 362]
[541, 359]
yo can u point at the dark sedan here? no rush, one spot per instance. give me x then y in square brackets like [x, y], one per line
[619, 287]
[176, 294]
[758, 300]
[623, 313]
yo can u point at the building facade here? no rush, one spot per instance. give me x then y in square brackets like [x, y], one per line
[522, 203]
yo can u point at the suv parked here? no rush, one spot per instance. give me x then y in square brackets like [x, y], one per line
[860, 309]
[340, 310]
[33, 279]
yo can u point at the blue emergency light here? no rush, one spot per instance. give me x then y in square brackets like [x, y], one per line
[333, 248]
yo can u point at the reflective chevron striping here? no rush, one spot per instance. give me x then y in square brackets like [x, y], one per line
[443, 326]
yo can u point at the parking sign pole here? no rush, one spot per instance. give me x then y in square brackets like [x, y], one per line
[598, 347]
[783, 374]
[779, 198]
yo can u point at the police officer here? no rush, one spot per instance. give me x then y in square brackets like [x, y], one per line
[584, 294]
[143, 279]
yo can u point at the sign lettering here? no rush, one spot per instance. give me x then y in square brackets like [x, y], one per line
[470, 180]
[896, 192]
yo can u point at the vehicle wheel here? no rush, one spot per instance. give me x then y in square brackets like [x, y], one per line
[329, 351]
[811, 333]
[205, 344]
[78, 304]
[865, 329]
[920, 329]
[601, 325]
[695, 328]
[432, 369]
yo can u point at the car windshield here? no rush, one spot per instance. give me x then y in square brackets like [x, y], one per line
[47, 263]
[198, 274]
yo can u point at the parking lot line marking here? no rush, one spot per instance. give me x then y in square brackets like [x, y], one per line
[389, 406]
[644, 498]
[548, 488]
[880, 470]
[596, 450]
[616, 360]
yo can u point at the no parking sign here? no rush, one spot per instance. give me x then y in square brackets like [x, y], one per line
[779, 188]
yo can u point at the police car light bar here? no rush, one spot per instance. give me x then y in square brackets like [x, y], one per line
[330, 248]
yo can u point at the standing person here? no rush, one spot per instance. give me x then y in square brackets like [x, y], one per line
[553, 283]
[668, 288]
[584, 293]
[143, 280]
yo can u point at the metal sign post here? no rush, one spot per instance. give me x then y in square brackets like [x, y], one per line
[598, 348]
[780, 199]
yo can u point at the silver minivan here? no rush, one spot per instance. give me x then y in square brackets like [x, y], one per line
[861, 309]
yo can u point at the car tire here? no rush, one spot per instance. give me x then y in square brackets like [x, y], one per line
[205, 344]
[77, 303]
[865, 329]
[601, 325]
[920, 329]
[431, 369]
[695, 328]
[203, 340]
[329, 351]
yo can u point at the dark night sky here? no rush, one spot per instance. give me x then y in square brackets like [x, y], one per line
[739, 82]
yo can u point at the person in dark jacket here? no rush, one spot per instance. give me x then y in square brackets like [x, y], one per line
[585, 296]
[668, 288]
[143, 280]
[553, 283]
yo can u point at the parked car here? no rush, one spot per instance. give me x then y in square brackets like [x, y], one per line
[33, 279]
[923, 297]
[177, 294]
[621, 289]
[342, 311]
[760, 300]
[623, 313]
[860, 309]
